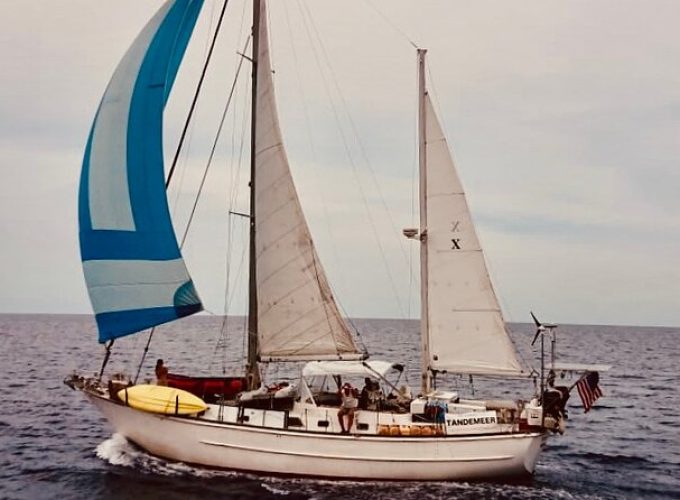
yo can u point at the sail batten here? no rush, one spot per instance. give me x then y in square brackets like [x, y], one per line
[134, 271]
[298, 318]
[465, 327]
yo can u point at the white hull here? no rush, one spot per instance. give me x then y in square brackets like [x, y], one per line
[278, 451]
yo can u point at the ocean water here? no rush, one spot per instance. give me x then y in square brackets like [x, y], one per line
[53, 444]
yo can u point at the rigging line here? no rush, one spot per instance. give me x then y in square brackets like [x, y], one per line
[229, 298]
[239, 273]
[238, 277]
[212, 151]
[355, 171]
[355, 130]
[235, 176]
[362, 149]
[230, 230]
[179, 149]
[242, 23]
[146, 350]
[235, 114]
[345, 315]
[244, 343]
[108, 347]
[233, 199]
[326, 303]
[174, 164]
[185, 156]
[234, 194]
[202, 184]
[357, 332]
[235, 117]
[225, 320]
[308, 130]
[313, 151]
[270, 32]
[392, 24]
[196, 94]
[224, 325]
[229, 295]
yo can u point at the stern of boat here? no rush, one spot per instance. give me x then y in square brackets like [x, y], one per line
[533, 451]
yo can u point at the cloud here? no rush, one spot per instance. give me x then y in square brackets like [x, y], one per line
[563, 119]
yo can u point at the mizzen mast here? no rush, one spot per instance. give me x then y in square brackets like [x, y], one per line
[426, 376]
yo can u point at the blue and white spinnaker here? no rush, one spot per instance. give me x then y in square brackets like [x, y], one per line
[133, 267]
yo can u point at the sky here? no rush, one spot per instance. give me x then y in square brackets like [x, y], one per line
[563, 118]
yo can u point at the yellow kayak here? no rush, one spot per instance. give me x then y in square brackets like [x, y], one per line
[162, 399]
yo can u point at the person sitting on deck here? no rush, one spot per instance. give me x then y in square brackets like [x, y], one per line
[363, 398]
[376, 397]
[161, 373]
[404, 395]
[555, 398]
[347, 407]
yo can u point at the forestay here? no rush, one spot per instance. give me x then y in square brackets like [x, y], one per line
[133, 268]
[466, 328]
[298, 318]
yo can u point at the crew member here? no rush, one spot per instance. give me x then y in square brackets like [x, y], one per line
[363, 398]
[348, 396]
[161, 373]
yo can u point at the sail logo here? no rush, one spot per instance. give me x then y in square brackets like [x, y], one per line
[455, 242]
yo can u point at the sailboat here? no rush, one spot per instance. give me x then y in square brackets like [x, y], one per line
[137, 279]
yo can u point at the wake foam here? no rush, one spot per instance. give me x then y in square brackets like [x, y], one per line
[119, 451]
[275, 491]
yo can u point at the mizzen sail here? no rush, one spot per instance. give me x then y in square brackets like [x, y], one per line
[465, 324]
[298, 318]
[135, 274]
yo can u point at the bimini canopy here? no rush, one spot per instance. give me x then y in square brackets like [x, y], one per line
[365, 368]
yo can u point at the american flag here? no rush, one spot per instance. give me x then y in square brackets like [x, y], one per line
[589, 390]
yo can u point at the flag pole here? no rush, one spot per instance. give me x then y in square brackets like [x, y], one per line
[584, 375]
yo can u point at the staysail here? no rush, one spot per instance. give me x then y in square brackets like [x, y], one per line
[465, 324]
[298, 318]
[135, 274]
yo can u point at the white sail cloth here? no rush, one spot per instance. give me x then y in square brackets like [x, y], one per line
[465, 324]
[298, 318]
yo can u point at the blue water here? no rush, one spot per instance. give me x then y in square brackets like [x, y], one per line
[54, 444]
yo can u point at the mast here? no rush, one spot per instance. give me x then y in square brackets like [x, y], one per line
[253, 372]
[426, 374]
[463, 330]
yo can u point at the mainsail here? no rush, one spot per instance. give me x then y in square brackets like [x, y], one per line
[298, 318]
[465, 324]
[134, 271]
